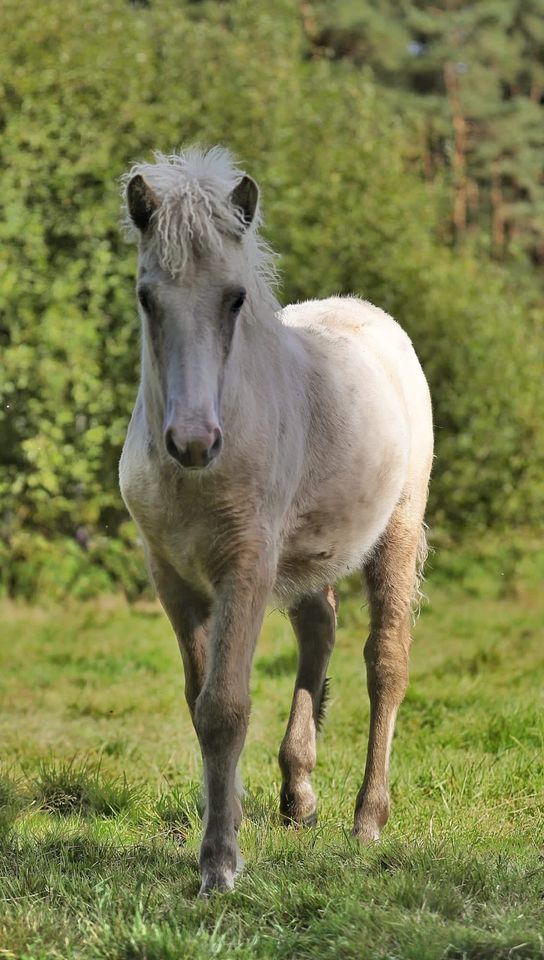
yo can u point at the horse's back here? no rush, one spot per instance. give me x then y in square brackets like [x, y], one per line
[355, 334]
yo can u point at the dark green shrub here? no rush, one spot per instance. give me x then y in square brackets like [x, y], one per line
[89, 88]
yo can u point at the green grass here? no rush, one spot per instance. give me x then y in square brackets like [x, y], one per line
[99, 793]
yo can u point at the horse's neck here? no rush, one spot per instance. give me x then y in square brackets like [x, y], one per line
[267, 374]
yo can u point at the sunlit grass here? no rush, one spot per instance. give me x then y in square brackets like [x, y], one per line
[100, 796]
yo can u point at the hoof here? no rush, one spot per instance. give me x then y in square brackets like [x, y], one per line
[367, 832]
[298, 811]
[310, 820]
[296, 822]
[371, 815]
[219, 872]
[216, 881]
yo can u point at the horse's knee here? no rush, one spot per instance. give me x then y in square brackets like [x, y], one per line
[220, 719]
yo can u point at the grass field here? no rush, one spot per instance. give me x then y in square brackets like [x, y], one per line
[99, 795]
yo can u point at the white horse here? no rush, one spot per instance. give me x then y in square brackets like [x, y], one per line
[270, 452]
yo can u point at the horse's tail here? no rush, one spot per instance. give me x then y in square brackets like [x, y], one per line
[419, 597]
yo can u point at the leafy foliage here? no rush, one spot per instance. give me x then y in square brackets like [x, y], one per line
[89, 88]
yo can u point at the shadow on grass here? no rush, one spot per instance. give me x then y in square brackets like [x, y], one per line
[68, 868]
[314, 894]
[120, 879]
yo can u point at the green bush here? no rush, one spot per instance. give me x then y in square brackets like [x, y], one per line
[86, 89]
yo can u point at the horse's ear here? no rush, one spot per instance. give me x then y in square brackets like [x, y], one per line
[245, 196]
[141, 201]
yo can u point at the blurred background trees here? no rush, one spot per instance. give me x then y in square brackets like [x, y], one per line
[471, 77]
[398, 148]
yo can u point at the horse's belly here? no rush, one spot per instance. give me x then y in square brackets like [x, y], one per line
[300, 574]
[327, 547]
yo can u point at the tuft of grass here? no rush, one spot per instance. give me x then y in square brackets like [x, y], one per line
[11, 802]
[9, 791]
[177, 812]
[76, 787]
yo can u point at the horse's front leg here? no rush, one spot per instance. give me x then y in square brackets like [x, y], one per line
[189, 614]
[222, 713]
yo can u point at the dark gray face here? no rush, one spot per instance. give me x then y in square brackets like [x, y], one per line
[189, 324]
[190, 328]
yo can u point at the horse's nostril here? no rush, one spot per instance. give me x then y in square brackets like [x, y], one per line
[217, 444]
[171, 447]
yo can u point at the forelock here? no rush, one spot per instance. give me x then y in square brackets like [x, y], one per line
[194, 214]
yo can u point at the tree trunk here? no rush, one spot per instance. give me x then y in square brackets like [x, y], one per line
[497, 222]
[451, 81]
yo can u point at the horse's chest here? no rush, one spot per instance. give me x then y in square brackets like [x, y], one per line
[174, 524]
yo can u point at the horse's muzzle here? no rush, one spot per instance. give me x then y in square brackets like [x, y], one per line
[196, 452]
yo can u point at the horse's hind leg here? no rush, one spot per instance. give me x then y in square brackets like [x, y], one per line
[391, 575]
[314, 623]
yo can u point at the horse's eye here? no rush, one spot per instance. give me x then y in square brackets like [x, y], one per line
[238, 302]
